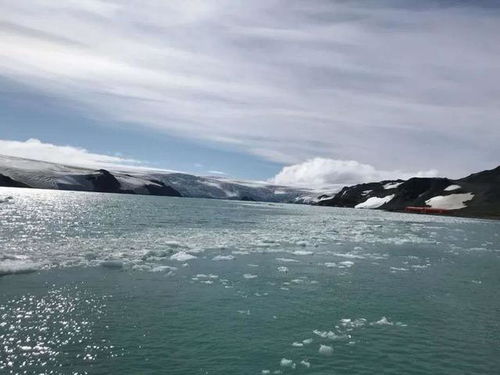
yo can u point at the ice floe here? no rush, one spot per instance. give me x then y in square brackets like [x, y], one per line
[10, 267]
[182, 256]
[325, 350]
[287, 363]
[305, 363]
[249, 276]
[223, 257]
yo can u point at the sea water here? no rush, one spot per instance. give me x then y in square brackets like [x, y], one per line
[122, 284]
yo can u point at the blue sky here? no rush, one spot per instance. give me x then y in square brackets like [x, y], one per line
[25, 114]
[317, 92]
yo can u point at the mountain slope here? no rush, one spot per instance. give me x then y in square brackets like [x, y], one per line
[19, 172]
[475, 195]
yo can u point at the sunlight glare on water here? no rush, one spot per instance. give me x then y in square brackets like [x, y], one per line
[100, 283]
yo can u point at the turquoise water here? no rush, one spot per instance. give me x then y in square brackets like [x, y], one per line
[122, 284]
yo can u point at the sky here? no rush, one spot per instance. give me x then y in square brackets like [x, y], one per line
[306, 93]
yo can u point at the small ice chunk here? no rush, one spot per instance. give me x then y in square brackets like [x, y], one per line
[10, 267]
[305, 363]
[307, 341]
[346, 263]
[249, 276]
[283, 269]
[287, 363]
[265, 372]
[383, 322]
[182, 256]
[330, 264]
[286, 260]
[325, 350]
[302, 252]
[297, 344]
[163, 268]
[223, 257]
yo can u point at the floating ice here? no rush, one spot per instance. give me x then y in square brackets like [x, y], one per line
[302, 252]
[399, 269]
[249, 276]
[383, 322]
[286, 260]
[346, 264]
[305, 363]
[10, 267]
[163, 268]
[325, 350]
[297, 344]
[182, 256]
[283, 269]
[307, 341]
[223, 257]
[330, 264]
[287, 363]
[265, 372]
[349, 323]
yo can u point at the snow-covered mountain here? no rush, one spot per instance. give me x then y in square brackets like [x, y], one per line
[19, 172]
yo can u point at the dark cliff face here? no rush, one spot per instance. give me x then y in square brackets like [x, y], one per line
[104, 182]
[162, 189]
[485, 187]
[9, 182]
[416, 191]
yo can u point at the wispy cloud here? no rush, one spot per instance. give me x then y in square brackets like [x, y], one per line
[394, 84]
[217, 172]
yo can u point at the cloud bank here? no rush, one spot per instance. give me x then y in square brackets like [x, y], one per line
[68, 155]
[321, 173]
[394, 83]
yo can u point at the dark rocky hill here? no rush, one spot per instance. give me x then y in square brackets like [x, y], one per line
[477, 195]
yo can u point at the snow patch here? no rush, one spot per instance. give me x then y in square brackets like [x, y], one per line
[450, 202]
[453, 187]
[375, 202]
[392, 185]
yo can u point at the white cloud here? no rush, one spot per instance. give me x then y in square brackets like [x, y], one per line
[284, 81]
[327, 173]
[68, 155]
